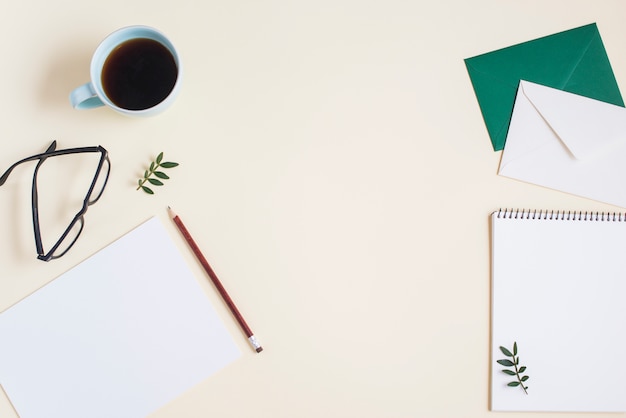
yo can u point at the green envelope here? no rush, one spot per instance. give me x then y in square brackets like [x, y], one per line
[574, 60]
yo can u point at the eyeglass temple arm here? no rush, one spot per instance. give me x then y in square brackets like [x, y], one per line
[41, 157]
[5, 176]
[49, 153]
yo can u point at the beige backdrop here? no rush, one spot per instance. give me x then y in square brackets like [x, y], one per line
[334, 168]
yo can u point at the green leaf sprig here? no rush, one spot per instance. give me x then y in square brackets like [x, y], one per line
[517, 369]
[154, 169]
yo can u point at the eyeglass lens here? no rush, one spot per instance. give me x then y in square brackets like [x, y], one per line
[100, 181]
[67, 240]
[69, 236]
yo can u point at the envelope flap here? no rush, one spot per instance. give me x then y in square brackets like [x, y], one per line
[585, 126]
[590, 78]
[574, 60]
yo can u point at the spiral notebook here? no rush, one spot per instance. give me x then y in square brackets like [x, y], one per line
[558, 311]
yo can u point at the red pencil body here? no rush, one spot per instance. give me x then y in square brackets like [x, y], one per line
[216, 281]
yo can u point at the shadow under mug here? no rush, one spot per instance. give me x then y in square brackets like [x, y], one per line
[135, 71]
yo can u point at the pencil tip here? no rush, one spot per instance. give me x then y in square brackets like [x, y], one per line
[259, 349]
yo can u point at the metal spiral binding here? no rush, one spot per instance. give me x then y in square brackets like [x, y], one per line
[561, 215]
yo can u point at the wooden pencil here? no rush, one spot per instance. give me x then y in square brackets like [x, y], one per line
[218, 285]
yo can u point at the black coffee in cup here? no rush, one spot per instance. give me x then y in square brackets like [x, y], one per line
[139, 74]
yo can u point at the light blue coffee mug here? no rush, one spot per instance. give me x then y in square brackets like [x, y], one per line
[93, 94]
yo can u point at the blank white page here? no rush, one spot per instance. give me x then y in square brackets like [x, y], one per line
[119, 335]
[558, 290]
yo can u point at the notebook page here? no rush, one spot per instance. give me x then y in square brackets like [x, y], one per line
[558, 290]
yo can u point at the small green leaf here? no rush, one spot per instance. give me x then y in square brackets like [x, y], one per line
[152, 171]
[514, 363]
[506, 352]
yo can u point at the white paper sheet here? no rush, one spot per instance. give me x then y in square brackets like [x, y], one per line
[558, 291]
[120, 335]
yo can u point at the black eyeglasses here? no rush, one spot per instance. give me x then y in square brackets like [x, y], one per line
[72, 232]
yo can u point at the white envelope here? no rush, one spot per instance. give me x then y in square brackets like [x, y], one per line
[567, 142]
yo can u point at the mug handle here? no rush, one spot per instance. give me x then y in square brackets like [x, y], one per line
[85, 97]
